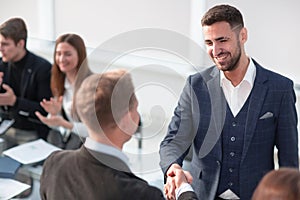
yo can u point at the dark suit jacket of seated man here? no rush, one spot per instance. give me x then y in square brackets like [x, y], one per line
[24, 79]
[99, 169]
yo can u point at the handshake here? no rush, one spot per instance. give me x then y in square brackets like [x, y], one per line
[178, 182]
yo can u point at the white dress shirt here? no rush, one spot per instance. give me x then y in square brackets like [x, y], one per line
[236, 96]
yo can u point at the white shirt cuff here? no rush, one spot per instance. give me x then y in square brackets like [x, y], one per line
[184, 187]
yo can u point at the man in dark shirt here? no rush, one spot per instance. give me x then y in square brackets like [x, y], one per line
[25, 81]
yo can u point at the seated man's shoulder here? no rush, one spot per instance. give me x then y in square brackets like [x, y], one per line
[38, 60]
[61, 155]
[134, 187]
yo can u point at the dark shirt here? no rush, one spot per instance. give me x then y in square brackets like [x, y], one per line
[15, 78]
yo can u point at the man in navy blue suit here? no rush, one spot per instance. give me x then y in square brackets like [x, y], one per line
[233, 114]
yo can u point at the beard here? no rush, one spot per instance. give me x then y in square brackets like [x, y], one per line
[231, 64]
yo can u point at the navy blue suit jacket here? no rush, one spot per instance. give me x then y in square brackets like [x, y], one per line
[199, 117]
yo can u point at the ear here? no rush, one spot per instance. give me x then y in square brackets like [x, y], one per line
[123, 122]
[127, 124]
[243, 35]
[21, 43]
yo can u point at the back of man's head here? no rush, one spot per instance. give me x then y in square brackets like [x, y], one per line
[283, 183]
[103, 99]
[14, 28]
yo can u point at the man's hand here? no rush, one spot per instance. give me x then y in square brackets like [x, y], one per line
[175, 177]
[182, 176]
[7, 98]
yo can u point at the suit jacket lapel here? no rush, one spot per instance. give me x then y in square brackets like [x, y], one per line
[26, 75]
[218, 114]
[255, 104]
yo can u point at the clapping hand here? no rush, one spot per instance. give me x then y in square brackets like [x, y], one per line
[53, 107]
[51, 120]
[54, 118]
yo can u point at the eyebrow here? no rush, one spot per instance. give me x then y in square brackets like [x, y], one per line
[5, 42]
[219, 39]
[68, 51]
[222, 38]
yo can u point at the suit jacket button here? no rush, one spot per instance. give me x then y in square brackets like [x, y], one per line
[232, 139]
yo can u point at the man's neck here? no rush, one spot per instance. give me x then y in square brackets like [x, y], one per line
[19, 56]
[237, 75]
[105, 139]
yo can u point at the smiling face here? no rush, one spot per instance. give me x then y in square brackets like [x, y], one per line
[66, 57]
[224, 44]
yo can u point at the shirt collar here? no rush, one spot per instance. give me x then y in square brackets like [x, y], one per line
[106, 149]
[20, 64]
[249, 76]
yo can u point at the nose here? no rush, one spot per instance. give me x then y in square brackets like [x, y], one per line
[61, 58]
[215, 49]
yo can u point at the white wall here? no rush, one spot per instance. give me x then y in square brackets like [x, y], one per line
[99, 20]
[28, 10]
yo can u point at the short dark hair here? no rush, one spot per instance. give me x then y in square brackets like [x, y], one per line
[14, 28]
[221, 13]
